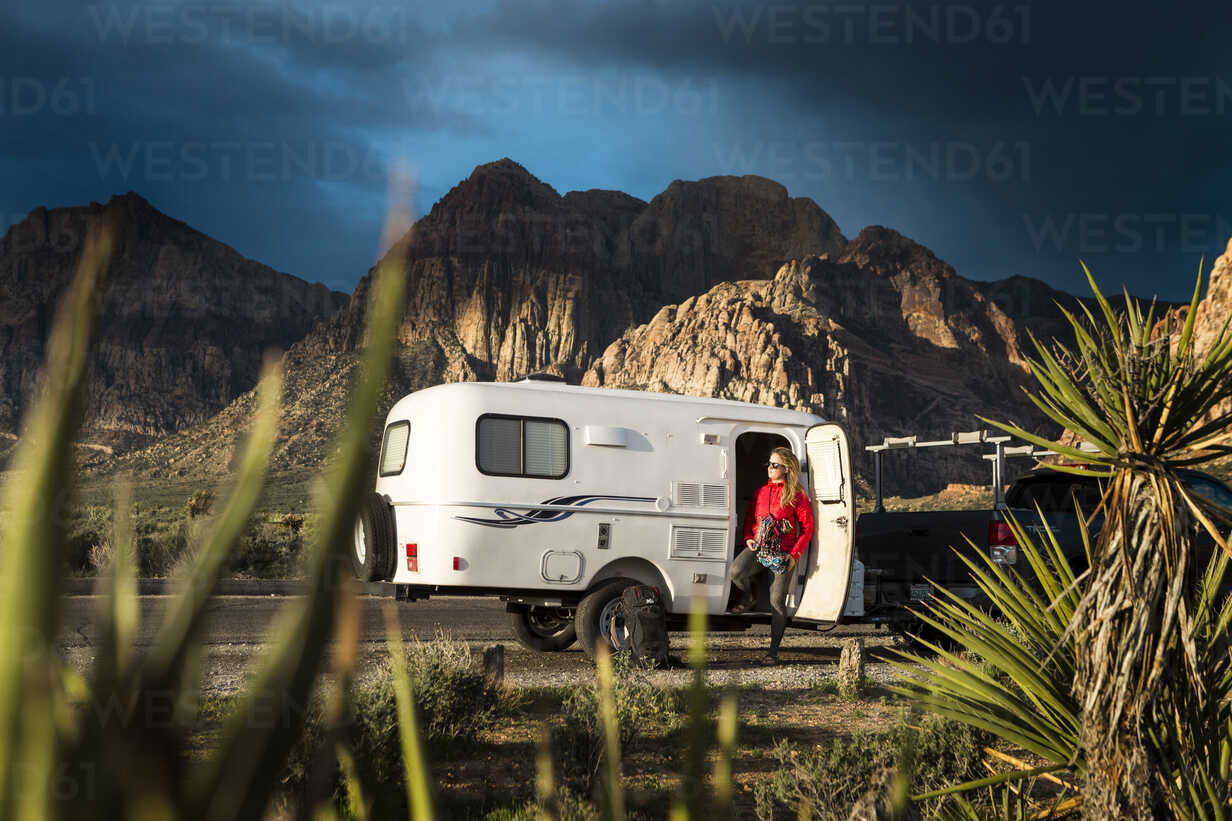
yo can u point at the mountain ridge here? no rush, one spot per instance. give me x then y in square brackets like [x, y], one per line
[724, 286]
[184, 319]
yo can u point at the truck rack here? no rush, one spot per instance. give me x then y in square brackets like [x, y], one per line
[958, 438]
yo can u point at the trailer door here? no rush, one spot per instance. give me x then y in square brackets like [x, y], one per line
[827, 566]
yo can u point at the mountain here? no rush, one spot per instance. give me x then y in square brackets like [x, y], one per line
[1036, 306]
[508, 277]
[717, 287]
[1216, 304]
[883, 337]
[185, 319]
[1212, 319]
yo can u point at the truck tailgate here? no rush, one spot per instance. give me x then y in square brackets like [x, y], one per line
[905, 548]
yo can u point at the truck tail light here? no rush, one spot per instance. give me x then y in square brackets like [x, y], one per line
[1002, 545]
[412, 557]
[999, 534]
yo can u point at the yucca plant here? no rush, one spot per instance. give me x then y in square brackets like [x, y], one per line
[1015, 677]
[117, 747]
[1193, 738]
[1148, 404]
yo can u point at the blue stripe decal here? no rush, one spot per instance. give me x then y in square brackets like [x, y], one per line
[506, 518]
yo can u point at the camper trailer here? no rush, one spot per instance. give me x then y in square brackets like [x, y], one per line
[557, 497]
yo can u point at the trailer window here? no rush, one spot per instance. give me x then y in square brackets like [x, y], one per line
[393, 448]
[522, 446]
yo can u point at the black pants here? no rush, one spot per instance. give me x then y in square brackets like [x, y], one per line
[744, 569]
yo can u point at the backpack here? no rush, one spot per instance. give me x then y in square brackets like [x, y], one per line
[647, 624]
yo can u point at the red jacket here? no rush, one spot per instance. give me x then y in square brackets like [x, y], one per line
[768, 502]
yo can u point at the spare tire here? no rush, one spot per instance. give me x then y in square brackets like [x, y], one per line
[600, 617]
[372, 545]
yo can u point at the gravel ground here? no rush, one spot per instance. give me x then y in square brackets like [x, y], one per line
[732, 661]
[238, 628]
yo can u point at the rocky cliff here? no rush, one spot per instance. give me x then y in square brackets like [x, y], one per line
[720, 287]
[1216, 304]
[184, 319]
[506, 277]
[883, 337]
[509, 277]
[1213, 313]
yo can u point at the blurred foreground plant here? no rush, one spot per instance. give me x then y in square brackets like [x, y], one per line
[117, 747]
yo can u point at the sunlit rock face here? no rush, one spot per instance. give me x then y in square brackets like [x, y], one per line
[721, 287]
[1216, 306]
[882, 337]
[512, 278]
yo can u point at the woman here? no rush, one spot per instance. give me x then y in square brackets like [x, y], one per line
[783, 499]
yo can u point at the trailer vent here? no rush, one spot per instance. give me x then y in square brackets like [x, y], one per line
[708, 544]
[827, 470]
[695, 494]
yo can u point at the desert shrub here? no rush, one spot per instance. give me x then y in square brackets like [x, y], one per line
[832, 777]
[198, 504]
[271, 546]
[89, 538]
[162, 538]
[160, 551]
[569, 807]
[643, 712]
[268, 549]
[453, 700]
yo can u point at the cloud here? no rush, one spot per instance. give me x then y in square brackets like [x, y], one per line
[1011, 138]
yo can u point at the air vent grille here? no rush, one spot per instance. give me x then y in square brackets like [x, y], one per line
[695, 494]
[686, 494]
[707, 544]
[826, 459]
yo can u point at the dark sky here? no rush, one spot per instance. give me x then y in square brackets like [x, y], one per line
[1010, 138]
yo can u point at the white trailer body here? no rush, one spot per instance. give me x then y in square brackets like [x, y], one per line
[543, 493]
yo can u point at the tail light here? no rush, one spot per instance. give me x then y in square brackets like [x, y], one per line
[412, 557]
[1002, 545]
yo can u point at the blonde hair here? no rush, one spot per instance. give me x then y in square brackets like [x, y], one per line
[791, 482]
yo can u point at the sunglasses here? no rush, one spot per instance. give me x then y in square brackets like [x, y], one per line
[776, 466]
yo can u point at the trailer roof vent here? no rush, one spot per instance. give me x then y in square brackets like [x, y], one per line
[544, 376]
[606, 436]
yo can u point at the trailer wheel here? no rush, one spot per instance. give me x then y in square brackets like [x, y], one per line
[601, 617]
[372, 545]
[545, 629]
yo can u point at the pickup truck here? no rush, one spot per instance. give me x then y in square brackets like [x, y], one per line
[903, 551]
[1053, 494]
